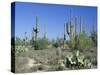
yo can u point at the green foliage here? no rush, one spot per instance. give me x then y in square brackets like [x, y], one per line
[83, 41]
[58, 42]
[20, 49]
[94, 37]
[18, 41]
[71, 43]
[41, 43]
[77, 61]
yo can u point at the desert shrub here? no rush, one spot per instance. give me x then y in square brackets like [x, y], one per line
[94, 38]
[41, 43]
[20, 49]
[83, 41]
[18, 41]
[71, 43]
[58, 42]
[55, 45]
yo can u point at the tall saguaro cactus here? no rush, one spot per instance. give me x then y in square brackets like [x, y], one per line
[80, 24]
[76, 31]
[45, 31]
[70, 27]
[76, 25]
[25, 39]
[36, 30]
[70, 22]
[64, 34]
[93, 30]
[33, 35]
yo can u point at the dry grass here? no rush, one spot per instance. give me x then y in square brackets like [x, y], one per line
[47, 60]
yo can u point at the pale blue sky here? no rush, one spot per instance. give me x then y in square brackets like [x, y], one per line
[53, 16]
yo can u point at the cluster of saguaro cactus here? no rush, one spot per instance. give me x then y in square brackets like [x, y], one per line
[70, 27]
[35, 30]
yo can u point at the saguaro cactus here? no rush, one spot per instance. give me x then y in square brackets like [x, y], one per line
[45, 31]
[25, 39]
[86, 28]
[33, 35]
[76, 31]
[70, 27]
[76, 25]
[80, 24]
[36, 30]
[83, 29]
[64, 34]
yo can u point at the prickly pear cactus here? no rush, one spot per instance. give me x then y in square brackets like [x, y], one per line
[19, 49]
[77, 61]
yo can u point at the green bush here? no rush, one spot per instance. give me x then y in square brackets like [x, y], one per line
[94, 38]
[71, 43]
[58, 42]
[83, 41]
[18, 41]
[41, 43]
[20, 49]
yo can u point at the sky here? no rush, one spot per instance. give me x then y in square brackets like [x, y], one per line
[52, 16]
